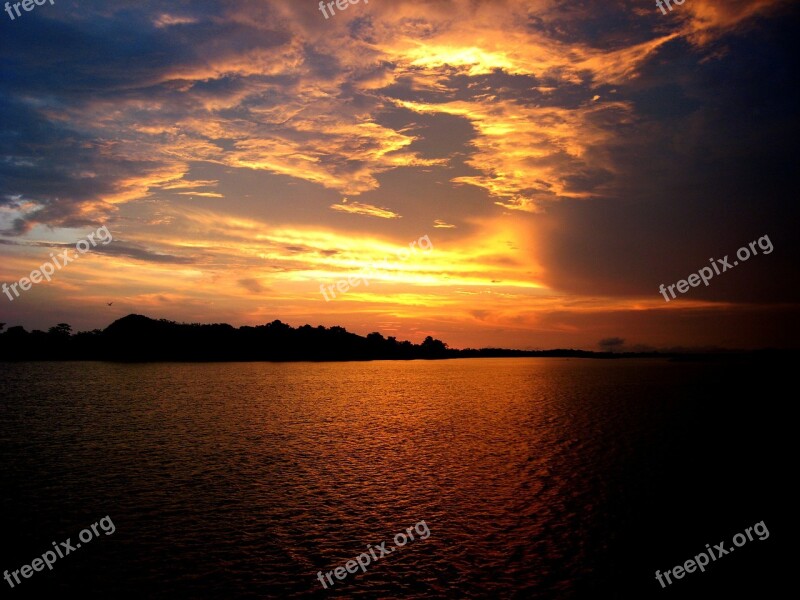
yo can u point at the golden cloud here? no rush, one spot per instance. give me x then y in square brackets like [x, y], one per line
[528, 154]
[357, 208]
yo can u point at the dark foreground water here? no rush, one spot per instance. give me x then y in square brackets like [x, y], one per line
[537, 478]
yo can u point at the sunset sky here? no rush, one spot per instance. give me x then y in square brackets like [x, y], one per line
[564, 158]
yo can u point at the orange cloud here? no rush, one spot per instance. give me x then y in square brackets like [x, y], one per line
[707, 20]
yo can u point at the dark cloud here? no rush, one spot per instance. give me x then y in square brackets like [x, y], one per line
[113, 248]
[253, 285]
[135, 251]
[709, 166]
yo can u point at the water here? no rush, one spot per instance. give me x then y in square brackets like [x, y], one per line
[537, 478]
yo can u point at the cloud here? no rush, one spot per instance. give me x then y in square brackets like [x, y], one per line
[358, 208]
[707, 20]
[253, 285]
[166, 20]
[184, 184]
[138, 252]
[439, 224]
[529, 155]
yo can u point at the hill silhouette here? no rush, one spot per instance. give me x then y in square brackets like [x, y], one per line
[140, 338]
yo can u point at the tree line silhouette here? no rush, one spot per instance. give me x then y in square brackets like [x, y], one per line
[139, 338]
